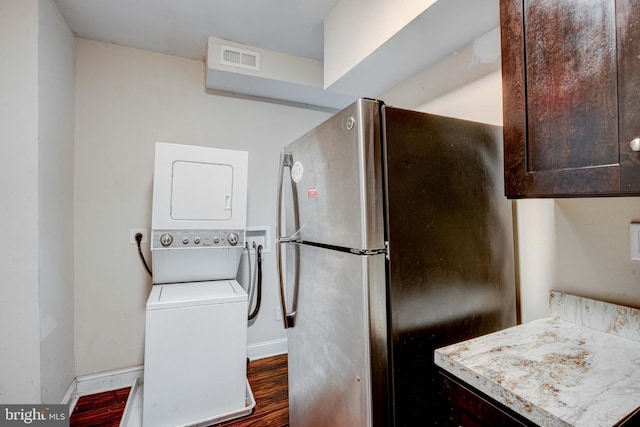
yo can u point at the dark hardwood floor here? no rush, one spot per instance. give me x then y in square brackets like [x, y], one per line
[268, 379]
[100, 409]
[269, 384]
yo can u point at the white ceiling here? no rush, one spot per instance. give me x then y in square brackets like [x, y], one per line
[181, 27]
[293, 27]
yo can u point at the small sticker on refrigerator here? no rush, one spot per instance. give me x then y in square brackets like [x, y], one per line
[312, 193]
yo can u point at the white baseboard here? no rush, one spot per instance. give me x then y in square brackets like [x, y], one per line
[267, 349]
[97, 383]
[71, 397]
[109, 380]
[102, 381]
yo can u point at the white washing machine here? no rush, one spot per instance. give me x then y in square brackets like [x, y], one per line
[195, 353]
[196, 314]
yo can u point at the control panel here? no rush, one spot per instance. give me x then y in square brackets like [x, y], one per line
[175, 239]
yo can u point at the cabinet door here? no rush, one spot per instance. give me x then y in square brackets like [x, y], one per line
[628, 19]
[564, 65]
[468, 408]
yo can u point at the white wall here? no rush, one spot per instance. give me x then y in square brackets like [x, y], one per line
[55, 201]
[127, 99]
[354, 29]
[36, 265]
[592, 247]
[579, 246]
[536, 234]
[440, 84]
[19, 327]
[481, 102]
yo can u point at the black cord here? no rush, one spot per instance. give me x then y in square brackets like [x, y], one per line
[139, 239]
[254, 313]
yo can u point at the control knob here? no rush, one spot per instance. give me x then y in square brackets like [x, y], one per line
[166, 239]
[185, 240]
[233, 239]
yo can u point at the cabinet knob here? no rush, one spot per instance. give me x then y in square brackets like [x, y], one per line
[635, 144]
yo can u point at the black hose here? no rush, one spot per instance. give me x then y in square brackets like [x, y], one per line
[250, 284]
[254, 313]
[139, 239]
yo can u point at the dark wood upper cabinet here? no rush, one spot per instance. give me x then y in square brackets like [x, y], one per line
[571, 91]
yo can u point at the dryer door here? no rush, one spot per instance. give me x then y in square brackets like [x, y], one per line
[199, 188]
[201, 191]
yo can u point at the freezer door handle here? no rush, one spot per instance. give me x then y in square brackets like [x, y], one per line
[286, 160]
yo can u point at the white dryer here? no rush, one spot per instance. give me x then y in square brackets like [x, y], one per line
[199, 213]
[196, 314]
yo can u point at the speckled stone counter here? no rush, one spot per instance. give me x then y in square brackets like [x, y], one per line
[578, 367]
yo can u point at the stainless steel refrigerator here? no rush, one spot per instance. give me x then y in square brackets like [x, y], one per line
[394, 239]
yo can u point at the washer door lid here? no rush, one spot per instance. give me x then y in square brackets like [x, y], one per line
[176, 295]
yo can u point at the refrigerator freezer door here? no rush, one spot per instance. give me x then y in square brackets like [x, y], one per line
[335, 172]
[337, 348]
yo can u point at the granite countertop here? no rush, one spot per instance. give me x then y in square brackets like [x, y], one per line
[578, 367]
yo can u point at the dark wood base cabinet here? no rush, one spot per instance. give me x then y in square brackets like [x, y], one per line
[472, 409]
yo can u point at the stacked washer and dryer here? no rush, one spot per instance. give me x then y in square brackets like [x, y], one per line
[196, 316]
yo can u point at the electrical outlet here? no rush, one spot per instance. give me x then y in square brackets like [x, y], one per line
[132, 235]
[634, 240]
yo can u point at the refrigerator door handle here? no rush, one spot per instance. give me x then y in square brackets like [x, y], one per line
[287, 317]
[286, 160]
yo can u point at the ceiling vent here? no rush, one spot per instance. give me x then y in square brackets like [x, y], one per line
[240, 58]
